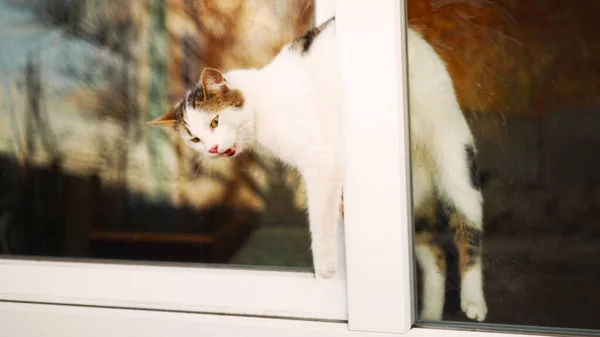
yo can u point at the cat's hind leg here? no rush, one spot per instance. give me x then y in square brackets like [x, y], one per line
[458, 184]
[432, 261]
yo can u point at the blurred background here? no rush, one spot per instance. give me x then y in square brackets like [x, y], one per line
[81, 175]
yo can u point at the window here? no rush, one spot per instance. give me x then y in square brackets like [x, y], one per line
[521, 78]
[109, 212]
[380, 290]
[83, 174]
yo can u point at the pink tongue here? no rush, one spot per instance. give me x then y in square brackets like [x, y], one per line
[230, 151]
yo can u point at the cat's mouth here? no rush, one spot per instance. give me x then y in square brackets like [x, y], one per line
[230, 151]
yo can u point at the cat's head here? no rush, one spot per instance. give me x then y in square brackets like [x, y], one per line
[212, 118]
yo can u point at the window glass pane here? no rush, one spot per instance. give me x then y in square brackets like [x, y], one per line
[83, 176]
[505, 149]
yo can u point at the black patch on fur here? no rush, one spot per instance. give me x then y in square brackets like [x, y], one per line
[475, 236]
[473, 170]
[307, 39]
[472, 256]
[473, 240]
[195, 94]
[446, 241]
[421, 225]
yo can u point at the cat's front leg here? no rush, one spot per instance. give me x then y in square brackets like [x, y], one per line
[324, 191]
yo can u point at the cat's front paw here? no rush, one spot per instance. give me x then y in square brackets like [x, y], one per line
[325, 274]
[327, 268]
[473, 306]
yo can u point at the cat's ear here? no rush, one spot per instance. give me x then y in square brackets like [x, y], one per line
[167, 120]
[212, 82]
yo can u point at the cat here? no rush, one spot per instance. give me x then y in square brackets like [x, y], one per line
[446, 183]
[292, 109]
[228, 35]
[289, 109]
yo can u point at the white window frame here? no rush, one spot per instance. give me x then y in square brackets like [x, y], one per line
[371, 296]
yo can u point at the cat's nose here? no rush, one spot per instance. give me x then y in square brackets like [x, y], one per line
[213, 149]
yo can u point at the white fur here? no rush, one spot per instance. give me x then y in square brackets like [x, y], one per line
[439, 134]
[293, 111]
[472, 300]
[433, 284]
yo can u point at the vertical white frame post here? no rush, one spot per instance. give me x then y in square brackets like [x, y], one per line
[371, 47]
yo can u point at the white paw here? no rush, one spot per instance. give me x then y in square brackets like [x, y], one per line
[474, 308]
[472, 301]
[327, 268]
[324, 274]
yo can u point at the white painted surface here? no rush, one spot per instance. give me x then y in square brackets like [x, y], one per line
[37, 320]
[376, 200]
[198, 289]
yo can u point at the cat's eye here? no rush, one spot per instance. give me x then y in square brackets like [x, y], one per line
[215, 122]
[195, 140]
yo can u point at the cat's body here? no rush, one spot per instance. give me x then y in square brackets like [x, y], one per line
[445, 180]
[293, 109]
[286, 109]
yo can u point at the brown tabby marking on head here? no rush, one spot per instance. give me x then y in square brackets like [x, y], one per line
[212, 94]
[233, 98]
[303, 43]
[216, 94]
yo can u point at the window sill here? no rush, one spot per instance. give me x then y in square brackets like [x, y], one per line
[27, 319]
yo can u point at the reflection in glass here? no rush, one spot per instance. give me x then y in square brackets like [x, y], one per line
[527, 78]
[80, 173]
